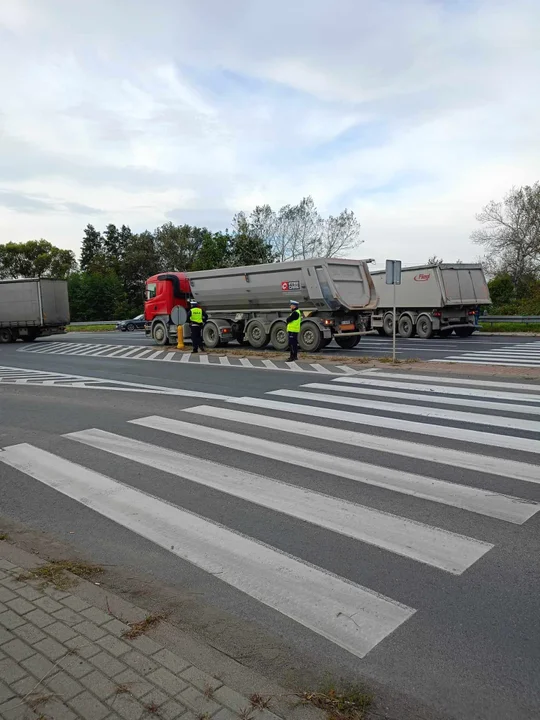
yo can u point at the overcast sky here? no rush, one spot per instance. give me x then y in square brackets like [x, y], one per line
[412, 113]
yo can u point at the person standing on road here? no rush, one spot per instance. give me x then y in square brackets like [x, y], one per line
[196, 318]
[293, 328]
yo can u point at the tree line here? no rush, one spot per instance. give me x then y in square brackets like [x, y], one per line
[108, 281]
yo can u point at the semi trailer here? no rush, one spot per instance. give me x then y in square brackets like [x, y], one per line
[249, 304]
[431, 300]
[32, 308]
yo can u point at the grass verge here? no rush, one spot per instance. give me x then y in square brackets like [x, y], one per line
[137, 629]
[54, 573]
[346, 704]
[90, 328]
[510, 327]
[304, 357]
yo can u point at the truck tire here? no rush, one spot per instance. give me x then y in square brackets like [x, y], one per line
[464, 331]
[160, 334]
[5, 335]
[256, 334]
[424, 327]
[327, 341]
[388, 324]
[279, 338]
[310, 337]
[348, 343]
[406, 328]
[210, 336]
[381, 332]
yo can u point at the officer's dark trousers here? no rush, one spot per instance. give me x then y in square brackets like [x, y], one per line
[196, 337]
[293, 345]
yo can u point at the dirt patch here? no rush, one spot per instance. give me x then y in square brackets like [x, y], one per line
[58, 573]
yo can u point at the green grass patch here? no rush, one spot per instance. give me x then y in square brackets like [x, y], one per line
[509, 327]
[347, 703]
[54, 573]
[90, 328]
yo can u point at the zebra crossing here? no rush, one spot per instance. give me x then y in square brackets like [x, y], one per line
[320, 473]
[138, 352]
[516, 355]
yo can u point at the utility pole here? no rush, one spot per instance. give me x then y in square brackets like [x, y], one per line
[393, 277]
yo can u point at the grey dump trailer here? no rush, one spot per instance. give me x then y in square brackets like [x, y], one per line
[32, 308]
[249, 304]
[431, 300]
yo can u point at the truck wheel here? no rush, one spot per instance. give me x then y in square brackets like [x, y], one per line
[424, 327]
[257, 335]
[160, 334]
[406, 327]
[279, 338]
[388, 324]
[327, 341]
[210, 335]
[310, 337]
[348, 343]
[464, 331]
[5, 336]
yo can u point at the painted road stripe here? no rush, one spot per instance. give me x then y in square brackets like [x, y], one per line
[467, 392]
[224, 360]
[486, 361]
[510, 442]
[511, 469]
[451, 415]
[423, 543]
[311, 596]
[421, 398]
[508, 385]
[464, 497]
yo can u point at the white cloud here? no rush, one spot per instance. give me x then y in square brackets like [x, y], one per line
[413, 114]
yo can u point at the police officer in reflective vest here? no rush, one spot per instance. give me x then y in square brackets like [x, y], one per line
[293, 328]
[196, 318]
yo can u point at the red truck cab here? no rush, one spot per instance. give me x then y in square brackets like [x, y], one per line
[163, 292]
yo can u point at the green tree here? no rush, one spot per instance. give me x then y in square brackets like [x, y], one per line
[93, 258]
[501, 290]
[97, 296]
[178, 246]
[35, 258]
[140, 261]
[215, 252]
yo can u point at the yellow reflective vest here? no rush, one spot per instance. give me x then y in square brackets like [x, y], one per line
[196, 316]
[294, 325]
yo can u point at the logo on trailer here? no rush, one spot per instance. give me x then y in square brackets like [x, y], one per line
[422, 277]
[290, 285]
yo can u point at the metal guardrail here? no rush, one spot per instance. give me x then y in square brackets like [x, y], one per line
[509, 319]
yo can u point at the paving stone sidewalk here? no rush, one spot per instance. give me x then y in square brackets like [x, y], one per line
[62, 658]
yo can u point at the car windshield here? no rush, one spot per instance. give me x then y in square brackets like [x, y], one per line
[139, 317]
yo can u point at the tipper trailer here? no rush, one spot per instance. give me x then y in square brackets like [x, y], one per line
[249, 304]
[32, 308]
[431, 300]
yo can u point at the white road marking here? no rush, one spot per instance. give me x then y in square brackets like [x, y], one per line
[477, 500]
[509, 385]
[224, 360]
[270, 365]
[467, 392]
[511, 469]
[420, 397]
[423, 543]
[510, 442]
[452, 415]
[487, 361]
[353, 617]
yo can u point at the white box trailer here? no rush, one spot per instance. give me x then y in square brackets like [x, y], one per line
[431, 300]
[30, 308]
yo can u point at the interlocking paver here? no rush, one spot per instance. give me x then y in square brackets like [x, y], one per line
[18, 650]
[6, 565]
[20, 606]
[51, 648]
[133, 683]
[89, 707]
[108, 664]
[40, 618]
[200, 679]
[69, 617]
[127, 706]
[6, 693]
[38, 665]
[145, 645]
[6, 595]
[29, 633]
[10, 671]
[14, 709]
[172, 710]
[75, 666]
[61, 632]
[56, 709]
[139, 662]
[115, 627]
[113, 645]
[48, 604]
[198, 702]
[64, 686]
[25, 686]
[6, 635]
[171, 661]
[29, 593]
[100, 685]
[167, 681]
[90, 630]
[75, 603]
[10, 620]
[55, 593]
[96, 615]
[84, 647]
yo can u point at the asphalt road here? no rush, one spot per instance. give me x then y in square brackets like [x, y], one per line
[396, 554]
